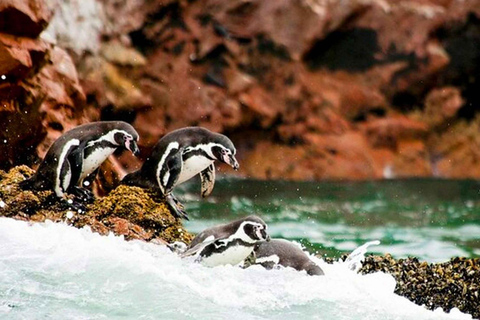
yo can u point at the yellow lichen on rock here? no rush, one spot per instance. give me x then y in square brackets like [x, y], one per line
[132, 212]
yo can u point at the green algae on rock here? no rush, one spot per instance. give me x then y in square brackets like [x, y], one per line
[129, 211]
[447, 285]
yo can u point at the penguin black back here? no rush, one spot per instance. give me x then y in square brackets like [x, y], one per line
[285, 253]
[80, 151]
[185, 137]
[179, 156]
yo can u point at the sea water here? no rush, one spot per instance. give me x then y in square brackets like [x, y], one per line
[53, 271]
[431, 219]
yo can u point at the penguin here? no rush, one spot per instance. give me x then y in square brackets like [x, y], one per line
[78, 153]
[280, 252]
[179, 156]
[229, 243]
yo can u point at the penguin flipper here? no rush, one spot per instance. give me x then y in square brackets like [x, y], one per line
[174, 164]
[207, 178]
[75, 159]
[198, 247]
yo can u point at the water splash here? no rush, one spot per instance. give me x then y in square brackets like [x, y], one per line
[54, 271]
[355, 259]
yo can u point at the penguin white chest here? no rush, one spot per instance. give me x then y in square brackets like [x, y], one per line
[94, 160]
[233, 256]
[193, 166]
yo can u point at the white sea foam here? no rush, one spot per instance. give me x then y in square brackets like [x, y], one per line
[58, 272]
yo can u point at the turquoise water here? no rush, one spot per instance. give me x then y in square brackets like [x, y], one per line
[428, 218]
[54, 271]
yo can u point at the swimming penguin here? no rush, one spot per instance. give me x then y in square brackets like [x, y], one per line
[179, 156]
[284, 253]
[77, 154]
[229, 243]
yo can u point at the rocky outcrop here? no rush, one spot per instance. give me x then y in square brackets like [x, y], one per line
[128, 211]
[306, 89]
[447, 285]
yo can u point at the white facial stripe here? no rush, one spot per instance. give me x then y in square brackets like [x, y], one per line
[59, 185]
[206, 147]
[110, 137]
[171, 146]
[258, 231]
[240, 233]
[273, 258]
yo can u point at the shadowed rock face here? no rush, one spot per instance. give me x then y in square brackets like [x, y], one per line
[306, 90]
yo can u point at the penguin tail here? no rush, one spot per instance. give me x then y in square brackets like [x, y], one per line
[27, 184]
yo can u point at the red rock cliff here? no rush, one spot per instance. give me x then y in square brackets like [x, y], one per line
[306, 89]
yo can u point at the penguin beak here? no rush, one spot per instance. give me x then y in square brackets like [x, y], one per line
[265, 235]
[133, 147]
[230, 160]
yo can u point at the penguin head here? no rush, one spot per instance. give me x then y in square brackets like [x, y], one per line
[255, 229]
[225, 152]
[128, 141]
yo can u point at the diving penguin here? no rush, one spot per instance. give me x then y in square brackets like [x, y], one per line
[78, 153]
[179, 156]
[229, 243]
[280, 252]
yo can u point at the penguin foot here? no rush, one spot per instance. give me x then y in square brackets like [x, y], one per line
[176, 207]
[82, 194]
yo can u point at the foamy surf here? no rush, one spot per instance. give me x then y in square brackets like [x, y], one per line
[55, 271]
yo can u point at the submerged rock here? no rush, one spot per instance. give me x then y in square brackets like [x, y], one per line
[129, 211]
[447, 285]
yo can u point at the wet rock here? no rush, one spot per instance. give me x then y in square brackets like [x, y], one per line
[452, 284]
[128, 211]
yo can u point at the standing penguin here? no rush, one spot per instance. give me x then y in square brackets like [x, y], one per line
[181, 155]
[77, 154]
[280, 252]
[229, 243]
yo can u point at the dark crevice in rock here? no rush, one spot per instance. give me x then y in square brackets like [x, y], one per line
[352, 50]
[406, 101]
[363, 116]
[155, 31]
[110, 113]
[462, 42]
[269, 47]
